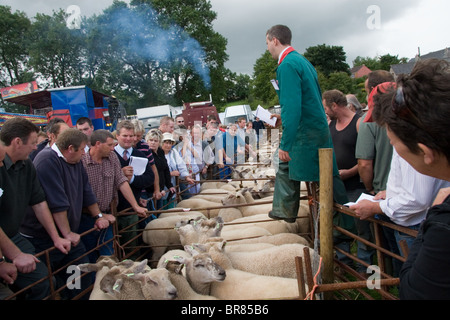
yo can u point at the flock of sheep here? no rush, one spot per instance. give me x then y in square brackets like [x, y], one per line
[219, 244]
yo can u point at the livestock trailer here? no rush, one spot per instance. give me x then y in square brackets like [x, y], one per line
[72, 103]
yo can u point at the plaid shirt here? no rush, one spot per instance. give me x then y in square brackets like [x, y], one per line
[105, 178]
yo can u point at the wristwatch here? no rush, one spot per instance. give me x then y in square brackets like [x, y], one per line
[100, 215]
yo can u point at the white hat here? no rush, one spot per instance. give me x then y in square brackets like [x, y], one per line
[167, 136]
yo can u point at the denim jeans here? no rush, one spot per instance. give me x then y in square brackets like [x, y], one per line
[403, 236]
[96, 238]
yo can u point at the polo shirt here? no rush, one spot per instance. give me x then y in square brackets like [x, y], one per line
[20, 189]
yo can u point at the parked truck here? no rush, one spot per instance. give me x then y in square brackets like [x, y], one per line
[72, 103]
[198, 112]
[150, 116]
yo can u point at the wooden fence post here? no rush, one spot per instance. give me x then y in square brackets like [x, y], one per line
[326, 213]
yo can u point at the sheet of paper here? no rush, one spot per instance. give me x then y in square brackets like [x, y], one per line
[264, 115]
[363, 196]
[139, 164]
[275, 84]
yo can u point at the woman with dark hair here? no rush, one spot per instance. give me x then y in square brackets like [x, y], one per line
[416, 116]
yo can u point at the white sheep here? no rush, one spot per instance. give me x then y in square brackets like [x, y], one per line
[127, 280]
[229, 214]
[138, 284]
[184, 289]
[275, 261]
[231, 234]
[242, 285]
[201, 270]
[199, 231]
[276, 239]
[208, 208]
[160, 234]
[239, 200]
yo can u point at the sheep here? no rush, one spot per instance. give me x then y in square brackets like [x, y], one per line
[137, 283]
[243, 233]
[242, 285]
[180, 212]
[110, 275]
[97, 293]
[244, 196]
[201, 205]
[239, 199]
[184, 289]
[160, 234]
[276, 239]
[201, 270]
[229, 214]
[214, 197]
[276, 261]
[199, 231]
[263, 221]
[212, 185]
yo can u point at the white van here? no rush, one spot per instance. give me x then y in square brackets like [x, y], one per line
[233, 113]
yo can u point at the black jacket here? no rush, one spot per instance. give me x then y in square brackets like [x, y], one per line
[426, 273]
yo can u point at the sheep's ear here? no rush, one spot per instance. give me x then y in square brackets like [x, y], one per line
[173, 266]
[140, 267]
[222, 245]
[109, 285]
[126, 263]
[184, 229]
[88, 267]
[193, 249]
[178, 259]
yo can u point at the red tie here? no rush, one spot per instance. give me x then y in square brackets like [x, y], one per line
[125, 155]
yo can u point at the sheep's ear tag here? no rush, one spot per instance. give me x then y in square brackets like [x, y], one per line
[116, 286]
[130, 274]
[217, 225]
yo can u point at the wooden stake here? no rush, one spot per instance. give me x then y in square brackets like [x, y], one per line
[326, 213]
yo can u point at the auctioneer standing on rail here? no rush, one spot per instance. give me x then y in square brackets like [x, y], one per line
[304, 124]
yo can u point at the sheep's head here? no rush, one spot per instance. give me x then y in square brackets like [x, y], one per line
[156, 285]
[200, 231]
[233, 199]
[102, 261]
[201, 266]
[217, 252]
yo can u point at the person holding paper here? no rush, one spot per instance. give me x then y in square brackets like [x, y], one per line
[416, 118]
[408, 195]
[304, 125]
[124, 150]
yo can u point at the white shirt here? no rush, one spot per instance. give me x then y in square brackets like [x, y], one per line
[409, 193]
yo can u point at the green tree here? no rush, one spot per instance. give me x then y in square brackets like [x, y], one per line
[327, 59]
[383, 62]
[263, 72]
[55, 50]
[14, 28]
[195, 19]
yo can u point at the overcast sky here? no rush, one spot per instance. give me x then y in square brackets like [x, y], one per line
[362, 27]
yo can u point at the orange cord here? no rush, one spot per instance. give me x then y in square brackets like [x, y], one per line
[311, 293]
